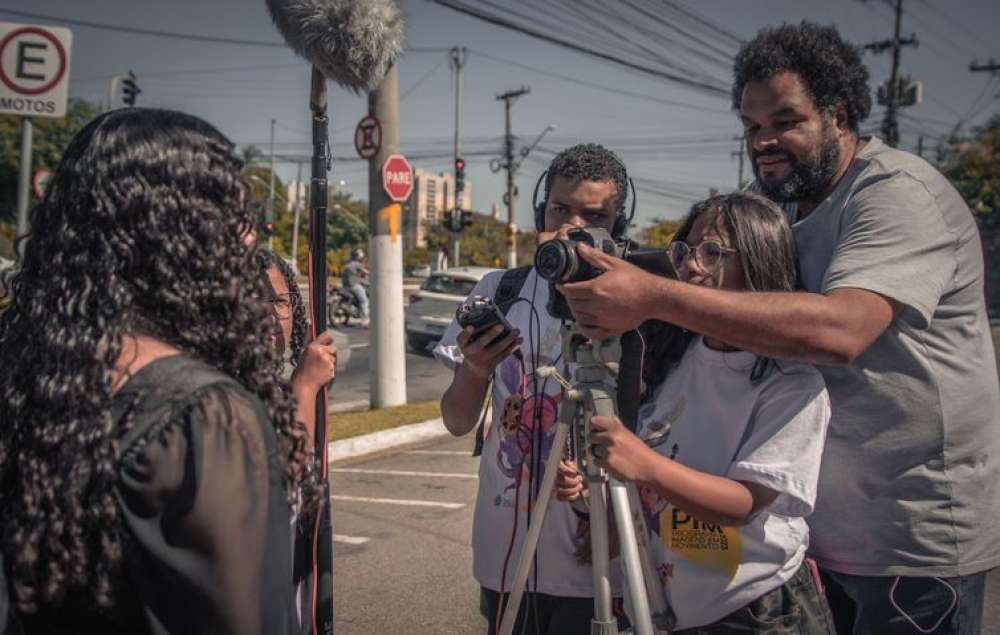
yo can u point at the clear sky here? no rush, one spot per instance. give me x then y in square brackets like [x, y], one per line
[676, 142]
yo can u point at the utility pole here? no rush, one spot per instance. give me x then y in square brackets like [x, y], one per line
[24, 177]
[299, 196]
[388, 368]
[457, 62]
[741, 155]
[269, 217]
[892, 95]
[509, 198]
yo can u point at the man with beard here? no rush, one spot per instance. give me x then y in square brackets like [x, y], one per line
[905, 523]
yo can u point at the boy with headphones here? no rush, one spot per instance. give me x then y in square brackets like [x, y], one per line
[585, 185]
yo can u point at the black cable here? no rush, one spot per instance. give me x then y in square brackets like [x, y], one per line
[710, 89]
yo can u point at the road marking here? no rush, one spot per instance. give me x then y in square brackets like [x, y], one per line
[442, 452]
[356, 470]
[355, 347]
[396, 501]
[350, 540]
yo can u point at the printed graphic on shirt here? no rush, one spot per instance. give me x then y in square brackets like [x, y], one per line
[527, 426]
[714, 547]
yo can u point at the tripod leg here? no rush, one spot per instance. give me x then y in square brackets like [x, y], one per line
[663, 616]
[604, 621]
[641, 617]
[531, 539]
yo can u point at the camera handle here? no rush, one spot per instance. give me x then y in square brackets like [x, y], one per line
[593, 395]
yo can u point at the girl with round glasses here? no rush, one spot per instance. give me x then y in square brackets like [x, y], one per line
[728, 445]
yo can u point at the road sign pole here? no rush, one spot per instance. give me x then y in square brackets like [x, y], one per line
[388, 369]
[24, 178]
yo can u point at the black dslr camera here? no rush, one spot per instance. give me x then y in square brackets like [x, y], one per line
[482, 314]
[558, 262]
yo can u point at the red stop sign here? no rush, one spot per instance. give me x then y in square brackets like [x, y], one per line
[397, 177]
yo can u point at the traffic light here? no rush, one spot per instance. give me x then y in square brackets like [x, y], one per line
[446, 220]
[466, 218]
[130, 90]
[459, 177]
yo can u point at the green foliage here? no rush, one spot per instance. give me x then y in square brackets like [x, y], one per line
[660, 233]
[346, 228]
[49, 138]
[976, 175]
[484, 243]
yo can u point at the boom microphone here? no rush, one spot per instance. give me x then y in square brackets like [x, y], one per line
[352, 42]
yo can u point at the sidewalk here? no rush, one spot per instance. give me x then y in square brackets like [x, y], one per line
[385, 440]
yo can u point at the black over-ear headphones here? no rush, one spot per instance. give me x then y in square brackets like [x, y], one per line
[621, 221]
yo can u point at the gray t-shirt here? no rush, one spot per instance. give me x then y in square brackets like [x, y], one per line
[352, 273]
[910, 480]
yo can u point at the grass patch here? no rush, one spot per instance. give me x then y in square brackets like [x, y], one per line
[351, 424]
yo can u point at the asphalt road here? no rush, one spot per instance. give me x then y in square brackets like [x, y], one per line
[426, 378]
[402, 549]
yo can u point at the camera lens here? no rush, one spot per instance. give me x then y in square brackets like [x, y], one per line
[555, 260]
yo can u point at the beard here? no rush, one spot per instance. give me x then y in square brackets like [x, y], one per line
[807, 179]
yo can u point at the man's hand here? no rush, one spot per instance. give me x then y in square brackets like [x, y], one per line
[482, 354]
[618, 450]
[569, 481]
[613, 302]
[318, 365]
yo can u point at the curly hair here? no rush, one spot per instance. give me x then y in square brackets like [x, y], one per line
[590, 162]
[267, 260]
[830, 68]
[138, 233]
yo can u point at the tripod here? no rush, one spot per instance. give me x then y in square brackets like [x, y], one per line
[593, 395]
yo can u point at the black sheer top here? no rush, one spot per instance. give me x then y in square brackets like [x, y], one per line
[206, 534]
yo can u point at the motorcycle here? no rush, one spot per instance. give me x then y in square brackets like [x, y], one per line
[342, 305]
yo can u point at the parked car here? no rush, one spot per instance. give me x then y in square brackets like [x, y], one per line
[419, 271]
[433, 306]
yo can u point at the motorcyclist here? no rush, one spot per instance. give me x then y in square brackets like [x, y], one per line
[352, 277]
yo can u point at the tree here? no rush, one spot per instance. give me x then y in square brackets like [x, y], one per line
[49, 138]
[660, 233]
[976, 175]
[484, 244]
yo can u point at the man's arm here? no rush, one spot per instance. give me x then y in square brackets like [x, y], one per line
[463, 400]
[821, 329]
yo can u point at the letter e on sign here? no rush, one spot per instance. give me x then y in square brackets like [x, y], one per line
[34, 69]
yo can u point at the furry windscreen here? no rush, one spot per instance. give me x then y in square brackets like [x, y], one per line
[352, 42]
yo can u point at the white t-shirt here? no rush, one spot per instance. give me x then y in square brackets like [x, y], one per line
[506, 465]
[771, 433]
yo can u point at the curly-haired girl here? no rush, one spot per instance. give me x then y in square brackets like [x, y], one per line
[147, 449]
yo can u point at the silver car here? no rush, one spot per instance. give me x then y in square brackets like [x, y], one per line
[432, 307]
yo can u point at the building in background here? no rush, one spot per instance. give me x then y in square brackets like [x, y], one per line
[297, 191]
[433, 194]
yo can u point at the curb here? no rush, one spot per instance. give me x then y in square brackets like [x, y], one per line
[385, 439]
[348, 406]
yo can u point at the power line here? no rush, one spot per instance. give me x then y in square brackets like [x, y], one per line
[711, 89]
[417, 84]
[950, 18]
[138, 31]
[603, 87]
[173, 34]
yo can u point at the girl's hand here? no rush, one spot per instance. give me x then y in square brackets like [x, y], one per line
[569, 482]
[618, 450]
[318, 365]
